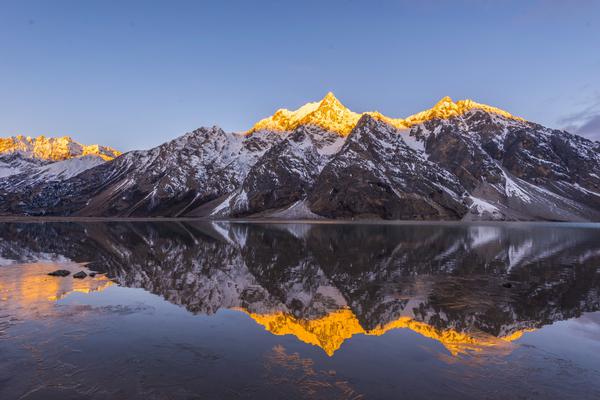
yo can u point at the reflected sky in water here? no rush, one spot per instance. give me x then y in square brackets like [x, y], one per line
[222, 310]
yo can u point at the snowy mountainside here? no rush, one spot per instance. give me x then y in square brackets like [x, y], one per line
[16, 163]
[457, 160]
[27, 163]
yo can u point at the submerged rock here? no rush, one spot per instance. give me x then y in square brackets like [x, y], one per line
[79, 275]
[59, 272]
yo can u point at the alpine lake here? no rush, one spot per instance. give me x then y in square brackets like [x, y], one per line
[294, 310]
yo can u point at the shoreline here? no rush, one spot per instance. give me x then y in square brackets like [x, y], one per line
[44, 219]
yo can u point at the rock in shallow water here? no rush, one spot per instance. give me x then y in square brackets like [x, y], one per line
[59, 272]
[79, 275]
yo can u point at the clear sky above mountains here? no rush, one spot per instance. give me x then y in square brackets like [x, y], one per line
[135, 74]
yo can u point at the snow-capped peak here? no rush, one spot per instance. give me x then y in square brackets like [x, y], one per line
[330, 114]
[54, 149]
[446, 108]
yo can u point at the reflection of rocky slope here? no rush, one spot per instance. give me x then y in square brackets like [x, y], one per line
[325, 283]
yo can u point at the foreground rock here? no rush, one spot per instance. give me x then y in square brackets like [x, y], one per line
[79, 275]
[60, 272]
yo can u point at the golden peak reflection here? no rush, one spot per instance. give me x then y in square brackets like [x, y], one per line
[28, 288]
[447, 281]
[330, 114]
[332, 330]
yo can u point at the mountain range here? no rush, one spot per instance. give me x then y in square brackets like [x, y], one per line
[456, 161]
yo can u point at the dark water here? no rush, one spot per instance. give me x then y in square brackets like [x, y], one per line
[294, 311]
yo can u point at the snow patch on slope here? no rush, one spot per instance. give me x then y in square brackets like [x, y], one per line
[68, 168]
[482, 208]
[512, 189]
[297, 210]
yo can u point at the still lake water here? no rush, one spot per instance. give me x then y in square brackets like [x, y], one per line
[192, 310]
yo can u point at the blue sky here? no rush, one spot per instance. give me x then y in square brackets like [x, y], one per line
[135, 74]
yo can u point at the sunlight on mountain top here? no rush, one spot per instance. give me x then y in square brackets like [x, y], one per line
[330, 114]
[54, 149]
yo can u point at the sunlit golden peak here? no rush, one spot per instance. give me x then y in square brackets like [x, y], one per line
[330, 114]
[55, 149]
[330, 99]
[446, 108]
[445, 103]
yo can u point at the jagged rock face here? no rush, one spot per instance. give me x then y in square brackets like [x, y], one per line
[400, 183]
[452, 146]
[287, 172]
[21, 173]
[521, 167]
[168, 180]
[16, 163]
[458, 160]
[28, 165]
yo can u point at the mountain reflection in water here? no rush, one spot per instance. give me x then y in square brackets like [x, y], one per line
[469, 287]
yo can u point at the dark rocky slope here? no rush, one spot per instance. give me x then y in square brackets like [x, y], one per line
[480, 164]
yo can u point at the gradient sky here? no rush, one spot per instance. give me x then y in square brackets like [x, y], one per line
[135, 74]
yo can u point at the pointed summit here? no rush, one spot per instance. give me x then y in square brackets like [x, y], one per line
[330, 99]
[444, 101]
[446, 108]
[330, 114]
[329, 96]
[330, 102]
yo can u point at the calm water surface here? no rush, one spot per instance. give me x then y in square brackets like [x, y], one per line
[294, 311]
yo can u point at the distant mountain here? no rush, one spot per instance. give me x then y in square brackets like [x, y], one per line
[457, 160]
[42, 159]
[53, 149]
[27, 162]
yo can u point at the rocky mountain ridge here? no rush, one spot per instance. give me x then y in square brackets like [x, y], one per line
[458, 160]
[331, 115]
[54, 149]
[27, 161]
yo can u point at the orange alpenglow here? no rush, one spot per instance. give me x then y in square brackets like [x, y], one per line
[54, 149]
[330, 114]
[28, 288]
[331, 331]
